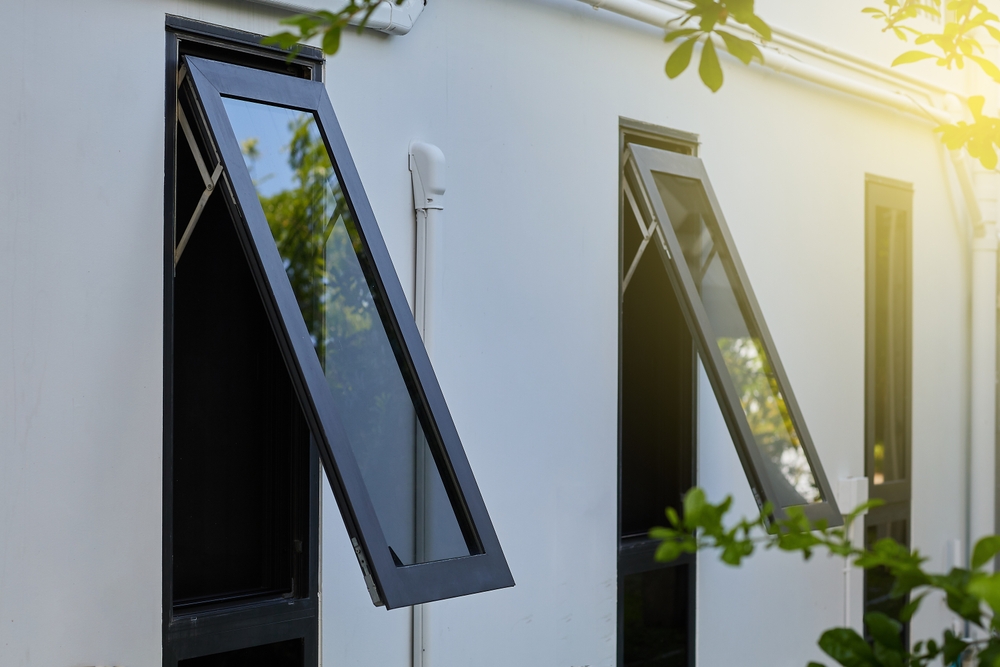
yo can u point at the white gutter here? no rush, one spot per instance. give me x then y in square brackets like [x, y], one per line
[657, 14]
[388, 17]
[981, 203]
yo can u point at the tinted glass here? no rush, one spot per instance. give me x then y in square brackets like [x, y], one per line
[656, 618]
[327, 264]
[891, 356]
[738, 338]
[282, 654]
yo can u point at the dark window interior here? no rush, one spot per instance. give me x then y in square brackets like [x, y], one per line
[282, 654]
[241, 444]
[887, 369]
[657, 392]
[656, 618]
[657, 442]
[241, 491]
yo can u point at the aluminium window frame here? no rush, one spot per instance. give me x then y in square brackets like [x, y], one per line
[644, 161]
[197, 631]
[389, 585]
[636, 555]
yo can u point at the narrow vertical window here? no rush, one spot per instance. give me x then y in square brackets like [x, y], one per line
[345, 332]
[672, 195]
[241, 476]
[888, 232]
[657, 445]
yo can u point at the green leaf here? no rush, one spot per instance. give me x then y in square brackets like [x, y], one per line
[884, 630]
[710, 71]
[675, 34]
[953, 647]
[285, 40]
[676, 64]
[989, 656]
[986, 588]
[991, 70]
[331, 40]
[911, 57]
[910, 608]
[847, 647]
[695, 503]
[743, 49]
[762, 29]
[985, 550]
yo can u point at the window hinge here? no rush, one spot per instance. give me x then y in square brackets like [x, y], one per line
[369, 581]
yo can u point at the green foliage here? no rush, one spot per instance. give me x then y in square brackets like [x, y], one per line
[957, 40]
[980, 138]
[712, 16]
[328, 24]
[972, 594]
[956, 43]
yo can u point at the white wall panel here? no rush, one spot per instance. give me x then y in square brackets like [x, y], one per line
[524, 98]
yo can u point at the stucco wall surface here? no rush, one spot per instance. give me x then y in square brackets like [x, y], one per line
[524, 98]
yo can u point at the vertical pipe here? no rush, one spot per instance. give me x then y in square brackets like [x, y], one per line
[982, 422]
[427, 177]
[982, 483]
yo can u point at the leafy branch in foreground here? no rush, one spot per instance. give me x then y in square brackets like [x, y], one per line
[712, 16]
[957, 42]
[328, 24]
[973, 594]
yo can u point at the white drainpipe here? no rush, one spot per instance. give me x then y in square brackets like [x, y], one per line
[982, 427]
[427, 176]
[980, 196]
[388, 17]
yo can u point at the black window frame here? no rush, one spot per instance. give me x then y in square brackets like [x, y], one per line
[893, 518]
[202, 630]
[636, 554]
[389, 585]
[643, 161]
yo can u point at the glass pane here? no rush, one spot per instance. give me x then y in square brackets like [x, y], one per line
[324, 258]
[891, 358]
[739, 340]
[656, 618]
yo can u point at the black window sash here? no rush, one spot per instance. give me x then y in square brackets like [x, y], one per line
[389, 584]
[644, 161]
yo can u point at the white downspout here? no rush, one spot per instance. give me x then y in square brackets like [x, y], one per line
[388, 17]
[982, 426]
[427, 175]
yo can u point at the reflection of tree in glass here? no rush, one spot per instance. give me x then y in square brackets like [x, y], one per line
[767, 413]
[302, 219]
[319, 244]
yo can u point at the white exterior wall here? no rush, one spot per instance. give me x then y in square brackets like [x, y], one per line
[524, 97]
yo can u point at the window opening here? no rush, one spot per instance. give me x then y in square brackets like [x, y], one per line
[888, 280]
[657, 435]
[241, 477]
[347, 336]
[281, 654]
[324, 257]
[672, 193]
